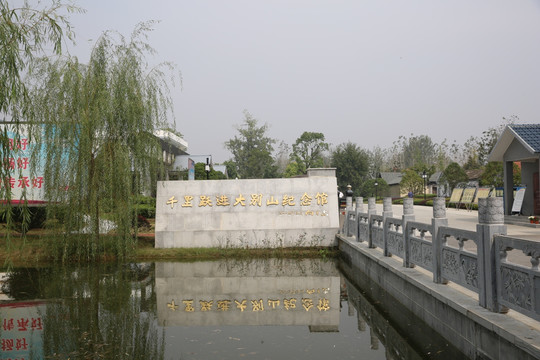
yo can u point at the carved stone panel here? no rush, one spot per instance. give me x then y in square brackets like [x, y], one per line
[416, 251]
[516, 288]
[427, 256]
[395, 243]
[469, 268]
[363, 231]
[377, 236]
[450, 265]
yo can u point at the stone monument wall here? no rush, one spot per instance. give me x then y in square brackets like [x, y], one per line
[257, 213]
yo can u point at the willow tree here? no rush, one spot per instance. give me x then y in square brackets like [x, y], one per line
[96, 123]
[26, 32]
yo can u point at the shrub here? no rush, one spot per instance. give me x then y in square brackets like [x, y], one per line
[148, 211]
[146, 206]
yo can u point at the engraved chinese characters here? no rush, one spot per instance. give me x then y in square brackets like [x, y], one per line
[305, 301]
[320, 199]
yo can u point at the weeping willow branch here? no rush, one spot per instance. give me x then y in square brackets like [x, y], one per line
[96, 123]
[25, 32]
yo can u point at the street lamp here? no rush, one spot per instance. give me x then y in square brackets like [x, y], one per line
[207, 169]
[424, 177]
[376, 184]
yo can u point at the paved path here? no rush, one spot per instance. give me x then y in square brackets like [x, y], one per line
[461, 219]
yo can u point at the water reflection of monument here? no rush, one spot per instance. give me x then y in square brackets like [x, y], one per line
[266, 292]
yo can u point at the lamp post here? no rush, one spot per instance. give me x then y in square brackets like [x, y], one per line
[376, 184]
[207, 169]
[424, 177]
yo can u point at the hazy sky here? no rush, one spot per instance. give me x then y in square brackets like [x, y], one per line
[360, 71]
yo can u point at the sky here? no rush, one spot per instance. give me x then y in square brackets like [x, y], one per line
[364, 71]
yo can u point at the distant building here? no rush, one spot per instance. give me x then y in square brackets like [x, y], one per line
[393, 179]
[474, 177]
[172, 146]
[437, 185]
[520, 143]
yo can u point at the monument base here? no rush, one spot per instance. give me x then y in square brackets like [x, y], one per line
[254, 239]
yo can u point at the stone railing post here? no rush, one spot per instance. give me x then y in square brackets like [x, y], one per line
[387, 213]
[359, 206]
[387, 207]
[349, 207]
[408, 215]
[490, 223]
[349, 194]
[439, 219]
[372, 210]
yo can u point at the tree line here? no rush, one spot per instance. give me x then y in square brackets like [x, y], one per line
[255, 155]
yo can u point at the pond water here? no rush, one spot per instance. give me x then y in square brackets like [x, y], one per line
[253, 309]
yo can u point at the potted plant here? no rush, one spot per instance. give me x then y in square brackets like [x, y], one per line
[534, 219]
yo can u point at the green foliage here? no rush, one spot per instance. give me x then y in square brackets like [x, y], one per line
[472, 162]
[352, 165]
[96, 124]
[414, 152]
[412, 182]
[25, 32]
[272, 171]
[200, 173]
[454, 174]
[25, 218]
[419, 151]
[282, 158]
[377, 161]
[369, 189]
[231, 169]
[252, 150]
[148, 211]
[292, 170]
[476, 150]
[308, 151]
[487, 142]
[493, 175]
[144, 206]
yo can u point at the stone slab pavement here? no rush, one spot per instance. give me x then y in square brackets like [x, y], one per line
[462, 219]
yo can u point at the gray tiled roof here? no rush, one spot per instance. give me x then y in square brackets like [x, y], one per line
[530, 134]
[392, 178]
[435, 177]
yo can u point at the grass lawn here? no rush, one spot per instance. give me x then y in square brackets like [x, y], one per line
[34, 250]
